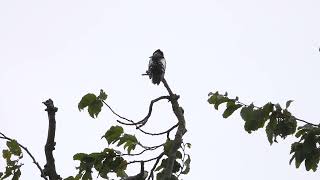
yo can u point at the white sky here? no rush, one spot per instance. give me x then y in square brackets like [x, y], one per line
[258, 50]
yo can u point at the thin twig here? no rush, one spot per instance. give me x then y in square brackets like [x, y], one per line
[28, 152]
[152, 159]
[155, 165]
[142, 122]
[146, 148]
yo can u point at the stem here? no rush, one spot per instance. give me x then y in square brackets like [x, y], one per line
[28, 152]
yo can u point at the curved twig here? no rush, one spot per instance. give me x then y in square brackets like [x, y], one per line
[139, 161]
[142, 122]
[28, 152]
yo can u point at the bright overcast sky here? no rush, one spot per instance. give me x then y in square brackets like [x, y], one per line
[258, 50]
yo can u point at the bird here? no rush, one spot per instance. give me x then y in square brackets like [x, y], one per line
[157, 67]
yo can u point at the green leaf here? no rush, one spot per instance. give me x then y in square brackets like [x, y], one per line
[288, 103]
[14, 147]
[187, 165]
[6, 154]
[254, 118]
[220, 99]
[102, 96]
[16, 175]
[86, 100]
[87, 175]
[286, 127]
[130, 142]
[270, 129]
[231, 107]
[113, 134]
[216, 99]
[95, 108]
[267, 109]
[162, 165]
[178, 155]
[176, 167]
[79, 156]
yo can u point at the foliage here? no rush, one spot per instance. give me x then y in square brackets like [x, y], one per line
[12, 155]
[280, 122]
[93, 102]
[181, 164]
[104, 162]
[112, 161]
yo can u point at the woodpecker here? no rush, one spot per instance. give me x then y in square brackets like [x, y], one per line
[157, 67]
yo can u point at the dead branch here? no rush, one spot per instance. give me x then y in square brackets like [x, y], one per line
[50, 168]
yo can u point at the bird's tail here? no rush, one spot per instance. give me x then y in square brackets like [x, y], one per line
[156, 79]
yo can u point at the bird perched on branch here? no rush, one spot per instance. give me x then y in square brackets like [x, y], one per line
[157, 67]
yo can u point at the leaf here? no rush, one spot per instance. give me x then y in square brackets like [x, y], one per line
[176, 167]
[6, 154]
[220, 100]
[102, 96]
[130, 142]
[254, 119]
[95, 108]
[216, 99]
[87, 175]
[187, 165]
[288, 103]
[14, 147]
[113, 134]
[178, 155]
[86, 101]
[270, 129]
[16, 175]
[162, 165]
[188, 145]
[79, 156]
[231, 107]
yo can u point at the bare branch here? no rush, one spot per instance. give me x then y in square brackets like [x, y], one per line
[28, 152]
[152, 159]
[146, 148]
[50, 168]
[142, 122]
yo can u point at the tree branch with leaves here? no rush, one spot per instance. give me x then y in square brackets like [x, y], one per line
[280, 122]
[174, 160]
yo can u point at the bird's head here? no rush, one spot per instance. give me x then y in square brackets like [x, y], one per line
[157, 54]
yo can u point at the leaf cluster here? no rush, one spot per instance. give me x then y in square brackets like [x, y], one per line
[12, 155]
[307, 148]
[93, 102]
[280, 122]
[181, 164]
[116, 134]
[104, 162]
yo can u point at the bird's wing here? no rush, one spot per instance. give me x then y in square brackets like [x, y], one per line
[163, 62]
